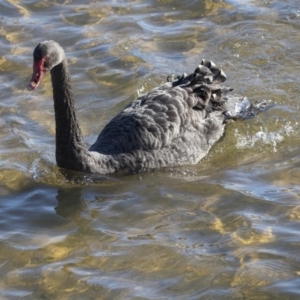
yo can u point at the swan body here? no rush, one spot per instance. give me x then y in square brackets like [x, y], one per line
[174, 124]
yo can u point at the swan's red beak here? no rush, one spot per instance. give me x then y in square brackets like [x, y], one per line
[38, 73]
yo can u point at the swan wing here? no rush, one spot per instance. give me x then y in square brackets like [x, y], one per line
[172, 111]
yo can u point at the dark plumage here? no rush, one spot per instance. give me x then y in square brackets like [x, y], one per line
[174, 124]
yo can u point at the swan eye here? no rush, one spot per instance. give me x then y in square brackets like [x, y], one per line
[45, 64]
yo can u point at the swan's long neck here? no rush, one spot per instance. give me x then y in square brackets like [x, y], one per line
[71, 152]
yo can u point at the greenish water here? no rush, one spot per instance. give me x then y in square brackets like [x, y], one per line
[226, 228]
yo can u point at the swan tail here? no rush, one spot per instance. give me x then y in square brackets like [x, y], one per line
[244, 109]
[206, 85]
[206, 73]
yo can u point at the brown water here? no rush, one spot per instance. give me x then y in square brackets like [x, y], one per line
[226, 228]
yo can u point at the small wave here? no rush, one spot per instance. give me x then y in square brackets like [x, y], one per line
[263, 136]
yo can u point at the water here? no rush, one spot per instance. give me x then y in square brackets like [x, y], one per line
[226, 228]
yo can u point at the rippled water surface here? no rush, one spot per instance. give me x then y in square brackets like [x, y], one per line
[226, 228]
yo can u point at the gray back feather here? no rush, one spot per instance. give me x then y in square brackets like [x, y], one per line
[174, 124]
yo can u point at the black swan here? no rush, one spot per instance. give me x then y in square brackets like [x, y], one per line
[172, 125]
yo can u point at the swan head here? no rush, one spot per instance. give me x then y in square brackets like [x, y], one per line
[46, 55]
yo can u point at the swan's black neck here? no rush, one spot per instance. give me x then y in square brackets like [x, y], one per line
[71, 152]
